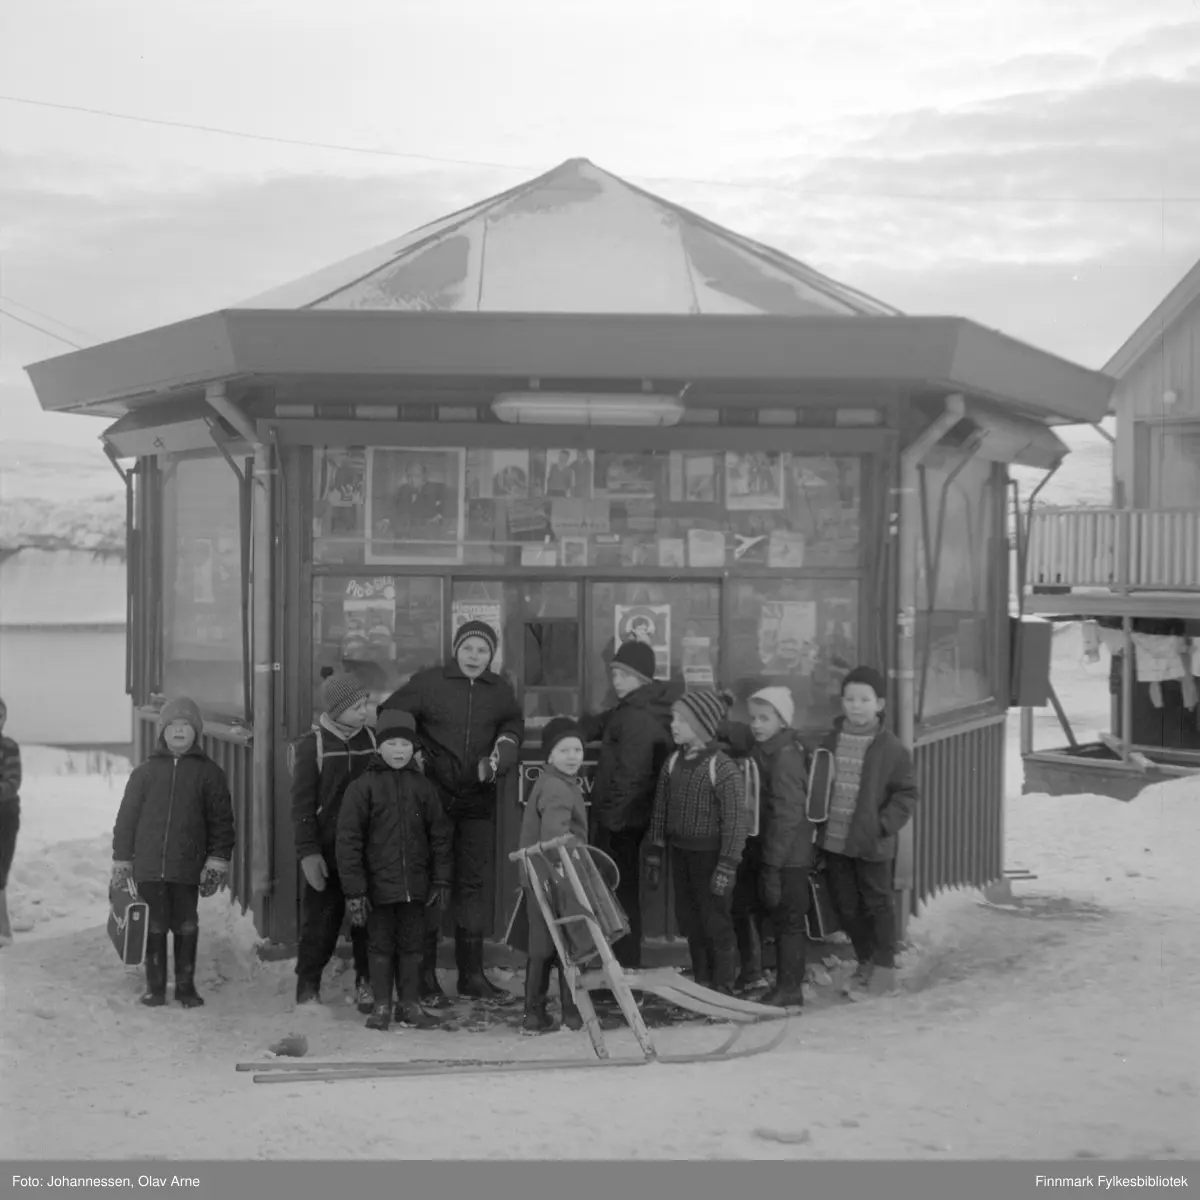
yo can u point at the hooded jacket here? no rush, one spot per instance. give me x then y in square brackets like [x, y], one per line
[635, 741]
[887, 796]
[459, 722]
[785, 833]
[555, 806]
[317, 789]
[176, 812]
[394, 842]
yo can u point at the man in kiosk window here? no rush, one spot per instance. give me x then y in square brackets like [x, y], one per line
[470, 728]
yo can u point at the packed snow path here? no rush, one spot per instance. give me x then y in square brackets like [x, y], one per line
[1062, 1027]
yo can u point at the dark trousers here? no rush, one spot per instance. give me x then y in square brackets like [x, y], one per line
[704, 919]
[321, 917]
[624, 847]
[474, 849]
[862, 896]
[395, 937]
[748, 913]
[10, 822]
[173, 907]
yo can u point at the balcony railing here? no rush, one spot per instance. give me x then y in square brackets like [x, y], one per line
[1149, 549]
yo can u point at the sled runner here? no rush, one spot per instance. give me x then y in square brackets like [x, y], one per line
[128, 919]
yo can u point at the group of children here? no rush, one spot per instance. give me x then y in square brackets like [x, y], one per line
[377, 839]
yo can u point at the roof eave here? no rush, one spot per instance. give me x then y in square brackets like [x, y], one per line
[1176, 302]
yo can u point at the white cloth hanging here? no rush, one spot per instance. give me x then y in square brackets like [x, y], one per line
[1091, 641]
[1113, 640]
[1158, 658]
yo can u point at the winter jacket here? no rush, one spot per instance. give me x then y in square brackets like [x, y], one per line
[317, 792]
[785, 833]
[635, 741]
[393, 840]
[887, 795]
[10, 772]
[176, 812]
[690, 814]
[461, 721]
[555, 806]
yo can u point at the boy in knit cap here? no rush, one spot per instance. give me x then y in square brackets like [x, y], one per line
[874, 794]
[635, 740]
[395, 860]
[555, 807]
[174, 838]
[471, 728]
[700, 815]
[10, 816]
[324, 762]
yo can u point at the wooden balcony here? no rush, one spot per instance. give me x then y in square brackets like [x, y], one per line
[1154, 550]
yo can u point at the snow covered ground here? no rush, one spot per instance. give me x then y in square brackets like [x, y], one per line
[1061, 1026]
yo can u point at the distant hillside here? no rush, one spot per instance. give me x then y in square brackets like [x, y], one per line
[60, 498]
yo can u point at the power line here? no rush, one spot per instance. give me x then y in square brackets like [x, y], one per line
[38, 313]
[932, 197]
[12, 316]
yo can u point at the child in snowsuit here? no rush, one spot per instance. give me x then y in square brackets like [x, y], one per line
[555, 807]
[785, 837]
[635, 740]
[174, 837]
[874, 794]
[10, 817]
[700, 815]
[395, 859]
[324, 762]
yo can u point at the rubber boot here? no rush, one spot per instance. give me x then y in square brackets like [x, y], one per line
[307, 992]
[383, 981]
[409, 1012]
[156, 970]
[472, 982]
[380, 1018]
[701, 970]
[431, 993]
[571, 1017]
[185, 969]
[6, 935]
[537, 985]
[749, 952]
[788, 991]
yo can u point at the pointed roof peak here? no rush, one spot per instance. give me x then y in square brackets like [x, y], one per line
[575, 239]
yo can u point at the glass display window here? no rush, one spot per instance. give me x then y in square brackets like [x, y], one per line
[798, 634]
[203, 650]
[573, 508]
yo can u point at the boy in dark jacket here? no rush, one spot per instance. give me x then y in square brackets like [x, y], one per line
[10, 817]
[324, 762]
[555, 807]
[174, 837]
[700, 814]
[785, 852]
[874, 794]
[635, 740]
[395, 860]
[470, 727]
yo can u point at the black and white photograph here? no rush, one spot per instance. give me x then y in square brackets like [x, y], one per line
[542, 541]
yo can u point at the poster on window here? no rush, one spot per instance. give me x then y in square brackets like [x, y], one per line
[649, 623]
[416, 505]
[753, 481]
[343, 481]
[566, 474]
[697, 662]
[490, 612]
[628, 476]
[368, 622]
[787, 637]
[506, 476]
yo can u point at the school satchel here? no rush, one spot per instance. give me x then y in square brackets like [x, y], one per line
[128, 921]
[821, 919]
[751, 783]
[820, 786]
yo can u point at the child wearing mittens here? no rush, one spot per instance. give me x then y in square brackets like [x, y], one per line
[174, 837]
[395, 858]
[555, 807]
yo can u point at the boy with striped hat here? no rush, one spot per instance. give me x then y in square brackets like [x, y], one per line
[700, 816]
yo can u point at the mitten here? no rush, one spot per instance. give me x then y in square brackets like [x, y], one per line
[723, 879]
[122, 875]
[770, 887]
[505, 754]
[213, 876]
[486, 769]
[315, 871]
[439, 897]
[358, 907]
[654, 862]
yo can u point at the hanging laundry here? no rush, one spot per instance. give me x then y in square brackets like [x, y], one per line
[1158, 658]
[1156, 694]
[1113, 640]
[1091, 641]
[1196, 656]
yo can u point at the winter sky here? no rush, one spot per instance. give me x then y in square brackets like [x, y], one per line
[1031, 164]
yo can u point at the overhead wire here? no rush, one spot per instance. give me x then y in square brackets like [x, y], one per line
[12, 316]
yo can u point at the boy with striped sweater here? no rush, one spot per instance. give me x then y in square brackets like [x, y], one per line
[874, 794]
[700, 815]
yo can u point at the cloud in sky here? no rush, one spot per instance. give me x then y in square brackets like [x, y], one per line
[1048, 133]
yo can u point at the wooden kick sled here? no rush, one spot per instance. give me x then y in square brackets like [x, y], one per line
[572, 884]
